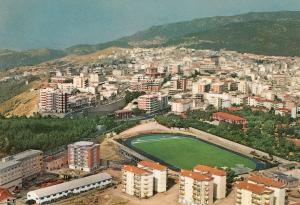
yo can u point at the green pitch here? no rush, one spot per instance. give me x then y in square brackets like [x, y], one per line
[185, 153]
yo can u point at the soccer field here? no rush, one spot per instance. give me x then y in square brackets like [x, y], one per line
[185, 152]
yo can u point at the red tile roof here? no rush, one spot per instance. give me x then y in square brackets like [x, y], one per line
[135, 170]
[211, 170]
[228, 116]
[5, 194]
[266, 181]
[153, 165]
[195, 175]
[257, 189]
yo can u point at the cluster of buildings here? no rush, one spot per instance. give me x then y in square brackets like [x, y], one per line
[201, 186]
[261, 190]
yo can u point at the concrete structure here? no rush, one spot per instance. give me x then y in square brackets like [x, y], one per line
[55, 101]
[226, 117]
[219, 180]
[277, 187]
[180, 106]
[137, 182]
[159, 174]
[122, 114]
[48, 194]
[56, 161]
[195, 188]
[152, 103]
[84, 156]
[17, 168]
[248, 193]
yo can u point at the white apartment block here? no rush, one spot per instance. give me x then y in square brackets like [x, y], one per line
[180, 106]
[159, 174]
[22, 166]
[152, 103]
[219, 179]
[137, 182]
[276, 186]
[249, 193]
[84, 156]
[195, 188]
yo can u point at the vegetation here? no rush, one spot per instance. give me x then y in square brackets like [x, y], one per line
[21, 133]
[13, 87]
[133, 95]
[10, 59]
[185, 153]
[262, 133]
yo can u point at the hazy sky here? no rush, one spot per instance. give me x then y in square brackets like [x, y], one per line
[62, 23]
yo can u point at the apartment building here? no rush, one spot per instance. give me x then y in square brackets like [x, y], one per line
[180, 106]
[179, 83]
[84, 156]
[219, 179]
[217, 87]
[17, 168]
[159, 173]
[249, 193]
[276, 186]
[200, 87]
[52, 100]
[137, 181]
[195, 188]
[152, 103]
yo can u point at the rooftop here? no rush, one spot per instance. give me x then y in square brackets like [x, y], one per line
[5, 194]
[83, 143]
[135, 170]
[195, 175]
[153, 165]
[266, 181]
[211, 170]
[229, 116]
[257, 189]
[70, 185]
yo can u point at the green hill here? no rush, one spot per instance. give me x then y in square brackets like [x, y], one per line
[269, 33]
[10, 59]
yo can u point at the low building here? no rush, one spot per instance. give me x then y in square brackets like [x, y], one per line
[137, 181]
[249, 193]
[70, 188]
[219, 180]
[84, 156]
[276, 186]
[17, 168]
[195, 188]
[159, 173]
[56, 161]
[226, 117]
[123, 114]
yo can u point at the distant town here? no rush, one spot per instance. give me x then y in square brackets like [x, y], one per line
[193, 127]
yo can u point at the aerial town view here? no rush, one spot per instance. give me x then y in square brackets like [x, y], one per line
[130, 102]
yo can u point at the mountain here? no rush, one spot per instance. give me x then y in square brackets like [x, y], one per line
[10, 59]
[268, 33]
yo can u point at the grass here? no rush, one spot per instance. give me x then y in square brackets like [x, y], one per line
[185, 152]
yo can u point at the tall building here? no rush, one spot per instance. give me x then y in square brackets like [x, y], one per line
[18, 168]
[181, 106]
[137, 181]
[159, 174]
[217, 87]
[79, 82]
[249, 193]
[195, 188]
[179, 83]
[55, 101]
[219, 180]
[152, 103]
[84, 156]
[200, 87]
[276, 186]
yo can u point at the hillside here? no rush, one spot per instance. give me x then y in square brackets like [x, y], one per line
[269, 33]
[10, 59]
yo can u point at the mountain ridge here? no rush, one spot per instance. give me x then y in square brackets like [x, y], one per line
[271, 31]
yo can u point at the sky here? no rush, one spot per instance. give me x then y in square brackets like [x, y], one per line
[26, 24]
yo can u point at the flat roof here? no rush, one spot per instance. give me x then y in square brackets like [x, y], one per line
[26, 154]
[70, 185]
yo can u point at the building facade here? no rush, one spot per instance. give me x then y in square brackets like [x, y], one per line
[195, 188]
[159, 174]
[84, 156]
[137, 181]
